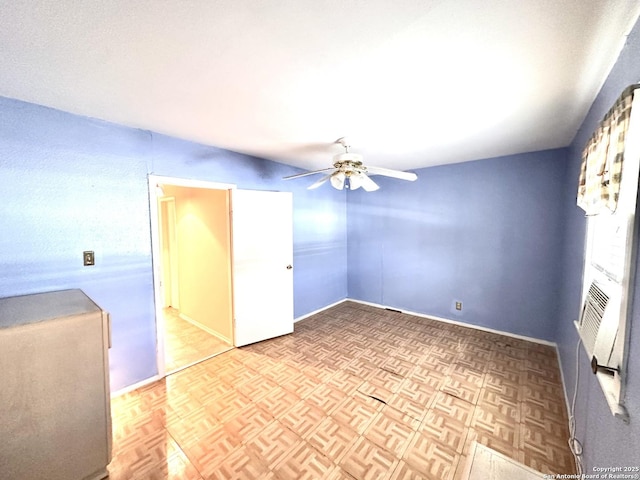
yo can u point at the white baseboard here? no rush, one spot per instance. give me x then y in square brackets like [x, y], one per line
[135, 386]
[461, 324]
[210, 331]
[564, 384]
[307, 315]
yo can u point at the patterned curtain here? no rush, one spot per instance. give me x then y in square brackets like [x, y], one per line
[602, 157]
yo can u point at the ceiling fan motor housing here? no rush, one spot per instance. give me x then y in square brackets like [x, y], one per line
[349, 163]
[347, 157]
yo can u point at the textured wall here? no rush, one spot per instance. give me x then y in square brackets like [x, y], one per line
[607, 441]
[486, 233]
[71, 183]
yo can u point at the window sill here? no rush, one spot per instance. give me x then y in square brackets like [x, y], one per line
[610, 388]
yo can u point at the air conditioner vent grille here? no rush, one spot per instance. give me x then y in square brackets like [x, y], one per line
[598, 297]
[592, 313]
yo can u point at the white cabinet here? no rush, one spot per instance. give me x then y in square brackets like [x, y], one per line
[55, 417]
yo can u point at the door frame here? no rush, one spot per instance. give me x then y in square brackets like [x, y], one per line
[156, 254]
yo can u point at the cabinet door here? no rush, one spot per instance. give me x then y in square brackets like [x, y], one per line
[54, 402]
[262, 233]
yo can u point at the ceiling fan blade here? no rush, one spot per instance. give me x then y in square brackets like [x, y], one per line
[319, 182]
[368, 184]
[361, 180]
[298, 175]
[392, 173]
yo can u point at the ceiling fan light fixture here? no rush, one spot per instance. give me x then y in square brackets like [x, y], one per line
[337, 180]
[356, 181]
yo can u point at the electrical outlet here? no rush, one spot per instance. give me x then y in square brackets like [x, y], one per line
[88, 258]
[458, 305]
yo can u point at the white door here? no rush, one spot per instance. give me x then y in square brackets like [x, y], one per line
[262, 235]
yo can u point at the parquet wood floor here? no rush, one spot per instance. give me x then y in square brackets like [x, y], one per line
[356, 392]
[186, 344]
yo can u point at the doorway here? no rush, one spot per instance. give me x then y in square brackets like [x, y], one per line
[253, 304]
[192, 270]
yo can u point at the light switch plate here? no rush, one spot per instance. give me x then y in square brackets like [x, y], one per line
[88, 258]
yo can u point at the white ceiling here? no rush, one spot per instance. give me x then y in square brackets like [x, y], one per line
[411, 83]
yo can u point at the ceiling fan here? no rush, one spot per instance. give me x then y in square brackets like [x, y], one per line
[349, 172]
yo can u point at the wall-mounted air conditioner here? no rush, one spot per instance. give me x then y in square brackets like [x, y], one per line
[598, 325]
[604, 306]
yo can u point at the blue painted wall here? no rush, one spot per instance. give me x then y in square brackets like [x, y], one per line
[71, 184]
[486, 233]
[607, 441]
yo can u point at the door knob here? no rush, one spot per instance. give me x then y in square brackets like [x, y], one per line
[289, 267]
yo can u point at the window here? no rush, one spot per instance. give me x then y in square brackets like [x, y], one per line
[610, 251]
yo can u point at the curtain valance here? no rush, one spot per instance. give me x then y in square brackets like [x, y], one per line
[602, 158]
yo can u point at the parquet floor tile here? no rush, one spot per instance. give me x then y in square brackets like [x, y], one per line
[368, 461]
[274, 442]
[430, 457]
[228, 405]
[444, 429]
[409, 407]
[356, 392]
[496, 424]
[257, 387]
[357, 412]
[391, 431]
[492, 441]
[345, 381]
[192, 427]
[304, 463]
[375, 391]
[504, 405]
[248, 423]
[242, 464]
[419, 392]
[454, 407]
[302, 418]
[208, 452]
[427, 377]
[301, 384]
[186, 344]
[332, 438]
[278, 401]
[458, 387]
[404, 472]
[326, 398]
